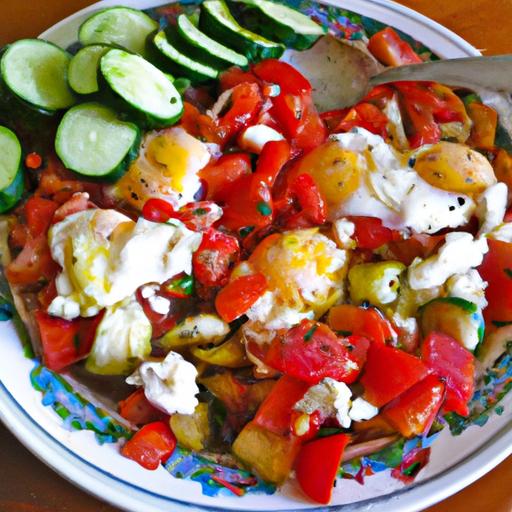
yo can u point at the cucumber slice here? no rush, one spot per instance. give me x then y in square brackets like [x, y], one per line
[83, 68]
[142, 86]
[459, 318]
[217, 22]
[122, 26]
[36, 72]
[211, 49]
[278, 21]
[92, 141]
[11, 169]
[168, 45]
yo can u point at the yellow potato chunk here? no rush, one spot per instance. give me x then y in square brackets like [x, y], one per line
[455, 167]
[192, 430]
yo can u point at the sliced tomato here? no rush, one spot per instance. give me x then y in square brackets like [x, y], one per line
[348, 319]
[150, 446]
[370, 233]
[239, 295]
[311, 351]
[137, 409]
[39, 214]
[215, 258]
[389, 372]
[496, 269]
[367, 116]
[388, 47]
[414, 411]
[317, 465]
[64, 342]
[449, 360]
[222, 173]
[235, 76]
[276, 411]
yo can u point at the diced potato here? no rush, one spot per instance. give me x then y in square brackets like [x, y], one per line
[455, 167]
[268, 454]
[194, 330]
[192, 430]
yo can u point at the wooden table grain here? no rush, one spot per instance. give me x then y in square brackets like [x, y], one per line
[26, 484]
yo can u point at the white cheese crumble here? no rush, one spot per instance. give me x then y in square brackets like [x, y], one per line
[344, 230]
[503, 232]
[457, 255]
[159, 304]
[469, 286]
[255, 137]
[491, 207]
[362, 410]
[170, 385]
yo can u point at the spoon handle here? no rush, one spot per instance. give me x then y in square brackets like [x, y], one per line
[489, 72]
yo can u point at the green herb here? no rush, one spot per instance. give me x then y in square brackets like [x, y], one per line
[411, 469]
[309, 334]
[200, 211]
[499, 323]
[245, 231]
[329, 431]
[264, 208]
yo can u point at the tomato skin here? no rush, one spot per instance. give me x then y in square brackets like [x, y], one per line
[289, 79]
[39, 214]
[414, 411]
[311, 352]
[276, 411]
[138, 410]
[317, 465]
[157, 210]
[388, 47]
[389, 372]
[312, 131]
[198, 125]
[450, 361]
[150, 446]
[235, 76]
[215, 258]
[365, 115]
[370, 233]
[239, 295]
[222, 173]
[496, 269]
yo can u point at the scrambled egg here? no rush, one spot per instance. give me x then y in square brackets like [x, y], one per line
[105, 257]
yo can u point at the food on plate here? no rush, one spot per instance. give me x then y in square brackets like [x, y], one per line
[285, 280]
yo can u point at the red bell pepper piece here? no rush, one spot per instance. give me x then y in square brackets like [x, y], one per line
[414, 411]
[150, 446]
[222, 173]
[348, 319]
[388, 47]
[317, 465]
[39, 214]
[496, 269]
[370, 233]
[239, 295]
[311, 351]
[312, 130]
[215, 258]
[450, 361]
[365, 115]
[389, 372]
[276, 411]
[137, 409]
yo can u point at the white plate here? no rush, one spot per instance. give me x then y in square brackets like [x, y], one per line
[455, 461]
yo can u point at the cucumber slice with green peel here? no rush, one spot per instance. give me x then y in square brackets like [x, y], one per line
[92, 141]
[211, 48]
[11, 169]
[459, 318]
[168, 46]
[142, 86]
[121, 26]
[280, 22]
[217, 22]
[83, 68]
[35, 71]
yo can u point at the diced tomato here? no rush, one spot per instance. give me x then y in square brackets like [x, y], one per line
[388, 47]
[150, 446]
[389, 372]
[348, 319]
[62, 341]
[379, 95]
[47, 294]
[450, 361]
[235, 76]
[485, 122]
[414, 411]
[286, 76]
[365, 115]
[246, 102]
[312, 130]
[502, 165]
[276, 411]
[33, 263]
[332, 118]
[157, 210]
[239, 295]
[180, 286]
[199, 215]
[317, 465]
[57, 182]
[77, 203]
[496, 269]
[137, 409]
[222, 173]
[33, 161]
[370, 233]
[18, 235]
[311, 351]
[199, 125]
[416, 246]
[39, 214]
[215, 258]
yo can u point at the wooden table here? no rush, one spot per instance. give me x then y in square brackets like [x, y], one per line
[27, 485]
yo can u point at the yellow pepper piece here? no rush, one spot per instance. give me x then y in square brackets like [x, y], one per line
[230, 354]
[192, 430]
